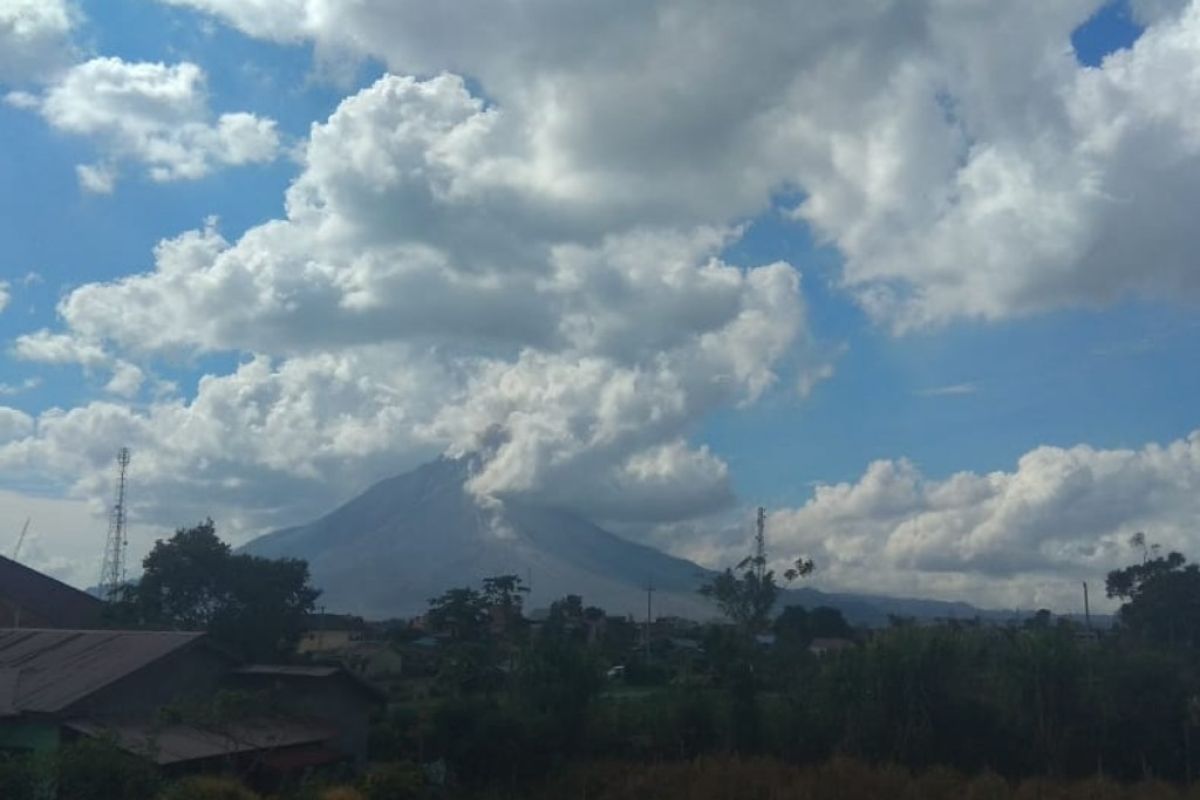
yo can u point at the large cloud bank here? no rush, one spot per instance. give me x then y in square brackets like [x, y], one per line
[511, 243]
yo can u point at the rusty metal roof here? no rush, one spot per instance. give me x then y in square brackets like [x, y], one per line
[56, 668]
[53, 601]
[175, 743]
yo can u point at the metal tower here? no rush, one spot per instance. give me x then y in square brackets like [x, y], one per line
[112, 571]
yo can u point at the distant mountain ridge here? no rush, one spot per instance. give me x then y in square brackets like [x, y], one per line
[406, 539]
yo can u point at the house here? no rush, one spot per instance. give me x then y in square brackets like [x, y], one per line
[824, 646]
[330, 632]
[328, 693]
[152, 693]
[30, 599]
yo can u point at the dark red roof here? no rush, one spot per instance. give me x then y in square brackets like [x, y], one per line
[52, 601]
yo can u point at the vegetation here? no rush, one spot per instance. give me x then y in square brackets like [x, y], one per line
[578, 703]
[193, 581]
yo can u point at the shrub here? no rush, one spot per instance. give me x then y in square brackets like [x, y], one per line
[401, 780]
[96, 769]
[207, 787]
[20, 779]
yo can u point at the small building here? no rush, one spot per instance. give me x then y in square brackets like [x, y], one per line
[826, 646]
[329, 632]
[31, 599]
[328, 693]
[149, 690]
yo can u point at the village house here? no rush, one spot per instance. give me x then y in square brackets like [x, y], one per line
[30, 599]
[153, 692]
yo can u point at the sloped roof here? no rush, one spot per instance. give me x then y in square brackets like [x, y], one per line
[313, 672]
[176, 743]
[56, 668]
[52, 600]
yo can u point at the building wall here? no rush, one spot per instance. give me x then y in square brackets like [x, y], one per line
[332, 700]
[321, 641]
[192, 675]
[25, 735]
[12, 615]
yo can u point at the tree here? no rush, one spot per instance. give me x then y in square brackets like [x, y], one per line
[748, 594]
[461, 613]
[1162, 596]
[193, 581]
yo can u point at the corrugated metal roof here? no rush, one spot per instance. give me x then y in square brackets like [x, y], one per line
[8, 692]
[176, 743]
[52, 600]
[57, 668]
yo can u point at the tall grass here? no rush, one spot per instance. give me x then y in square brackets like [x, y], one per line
[731, 778]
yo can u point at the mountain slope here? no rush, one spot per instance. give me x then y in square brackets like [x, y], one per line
[409, 538]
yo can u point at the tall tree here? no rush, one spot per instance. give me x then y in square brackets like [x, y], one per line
[193, 581]
[1162, 596]
[747, 593]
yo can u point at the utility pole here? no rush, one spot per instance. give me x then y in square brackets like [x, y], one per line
[21, 539]
[646, 643]
[1087, 611]
[112, 569]
[760, 544]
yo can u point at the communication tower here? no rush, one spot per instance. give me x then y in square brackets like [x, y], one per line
[112, 571]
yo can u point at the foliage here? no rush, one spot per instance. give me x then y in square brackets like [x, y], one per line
[96, 769]
[20, 777]
[747, 593]
[836, 779]
[1162, 596]
[398, 780]
[460, 613]
[207, 787]
[193, 581]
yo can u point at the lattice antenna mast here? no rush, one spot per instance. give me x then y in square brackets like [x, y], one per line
[760, 543]
[112, 572]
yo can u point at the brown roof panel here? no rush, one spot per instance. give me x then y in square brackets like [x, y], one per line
[52, 600]
[56, 668]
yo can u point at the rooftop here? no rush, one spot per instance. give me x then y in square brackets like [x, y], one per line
[52, 600]
[45, 670]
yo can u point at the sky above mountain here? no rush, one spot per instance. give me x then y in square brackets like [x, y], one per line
[917, 276]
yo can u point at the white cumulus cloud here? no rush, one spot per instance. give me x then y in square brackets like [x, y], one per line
[962, 160]
[155, 115]
[35, 39]
[1023, 538]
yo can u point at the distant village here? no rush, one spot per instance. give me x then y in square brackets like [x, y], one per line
[66, 675]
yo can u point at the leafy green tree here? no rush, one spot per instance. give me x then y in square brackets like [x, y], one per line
[747, 593]
[1162, 597]
[193, 581]
[461, 613]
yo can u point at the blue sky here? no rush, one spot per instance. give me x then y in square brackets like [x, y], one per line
[1096, 358]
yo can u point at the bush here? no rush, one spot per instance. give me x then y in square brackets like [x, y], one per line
[207, 787]
[20, 778]
[341, 793]
[401, 780]
[96, 769]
